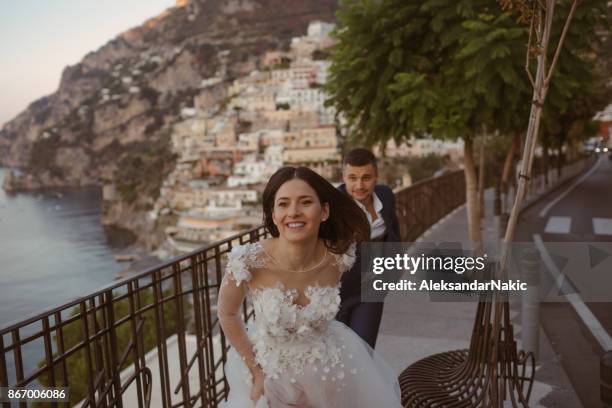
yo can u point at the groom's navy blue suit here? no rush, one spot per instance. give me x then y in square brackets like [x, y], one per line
[364, 317]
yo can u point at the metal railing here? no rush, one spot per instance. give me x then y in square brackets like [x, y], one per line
[424, 203]
[100, 345]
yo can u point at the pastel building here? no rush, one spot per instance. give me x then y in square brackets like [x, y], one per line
[247, 172]
[273, 157]
[311, 145]
[319, 29]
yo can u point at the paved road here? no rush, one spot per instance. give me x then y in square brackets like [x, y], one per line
[582, 214]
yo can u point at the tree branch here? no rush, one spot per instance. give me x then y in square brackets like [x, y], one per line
[560, 44]
[528, 53]
[538, 32]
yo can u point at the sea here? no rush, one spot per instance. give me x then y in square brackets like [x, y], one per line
[53, 248]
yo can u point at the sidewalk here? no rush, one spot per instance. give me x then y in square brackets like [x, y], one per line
[414, 327]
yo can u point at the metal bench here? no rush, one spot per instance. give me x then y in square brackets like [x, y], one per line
[486, 374]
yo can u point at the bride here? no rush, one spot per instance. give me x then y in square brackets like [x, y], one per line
[294, 353]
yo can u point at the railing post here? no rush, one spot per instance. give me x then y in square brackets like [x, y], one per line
[541, 184]
[503, 224]
[180, 329]
[113, 347]
[605, 373]
[497, 210]
[497, 201]
[530, 305]
[3, 371]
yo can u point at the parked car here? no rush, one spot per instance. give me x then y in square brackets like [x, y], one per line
[600, 148]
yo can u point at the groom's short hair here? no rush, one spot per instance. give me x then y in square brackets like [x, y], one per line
[360, 157]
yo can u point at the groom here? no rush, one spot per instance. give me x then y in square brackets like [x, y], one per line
[360, 173]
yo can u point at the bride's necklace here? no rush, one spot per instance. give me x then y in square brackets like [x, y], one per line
[298, 271]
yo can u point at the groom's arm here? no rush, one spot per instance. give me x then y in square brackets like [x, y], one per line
[388, 200]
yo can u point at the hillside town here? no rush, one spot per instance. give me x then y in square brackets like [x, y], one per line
[235, 137]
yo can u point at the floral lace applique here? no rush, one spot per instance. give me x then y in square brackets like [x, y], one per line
[288, 337]
[345, 261]
[241, 259]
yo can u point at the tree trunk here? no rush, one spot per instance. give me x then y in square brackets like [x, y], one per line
[509, 161]
[539, 95]
[545, 161]
[471, 193]
[481, 177]
[542, 27]
[508, 171]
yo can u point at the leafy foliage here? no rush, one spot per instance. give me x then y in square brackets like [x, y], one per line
[448, 68]
[76, 364]
[578, 87]
[143, 167]
[419, 168]
[42, 156]
[319, 55]
[526, 9]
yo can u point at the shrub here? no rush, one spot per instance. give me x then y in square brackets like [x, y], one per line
[141, 171]
[76, 364]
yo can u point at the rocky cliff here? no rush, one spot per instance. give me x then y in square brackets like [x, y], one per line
[119, 100]
[136, 83]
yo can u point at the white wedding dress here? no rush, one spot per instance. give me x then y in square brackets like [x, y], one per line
[309, 359]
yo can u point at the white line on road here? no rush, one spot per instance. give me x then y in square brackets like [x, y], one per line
[602, 226]
[558, 225]
[588, 318]
[570, 188]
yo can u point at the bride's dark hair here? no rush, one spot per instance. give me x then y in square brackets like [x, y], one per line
[347, 223]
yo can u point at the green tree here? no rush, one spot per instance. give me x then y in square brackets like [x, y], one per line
[578, 89]
[453, 69]
[419, 167]
[449, 68]
[142, 169]
[553, 36]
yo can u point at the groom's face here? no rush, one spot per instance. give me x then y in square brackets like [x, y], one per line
[360, 181]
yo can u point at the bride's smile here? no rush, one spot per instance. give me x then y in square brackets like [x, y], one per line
[297, 211]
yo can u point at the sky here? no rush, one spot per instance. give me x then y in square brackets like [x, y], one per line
[38, 38]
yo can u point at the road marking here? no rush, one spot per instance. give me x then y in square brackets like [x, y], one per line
[602, 226]
[558, 225]
[588, 318]
[570, 188]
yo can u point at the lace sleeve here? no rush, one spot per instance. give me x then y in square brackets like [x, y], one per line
[229, 304]
[237, 267]
[345, 261]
